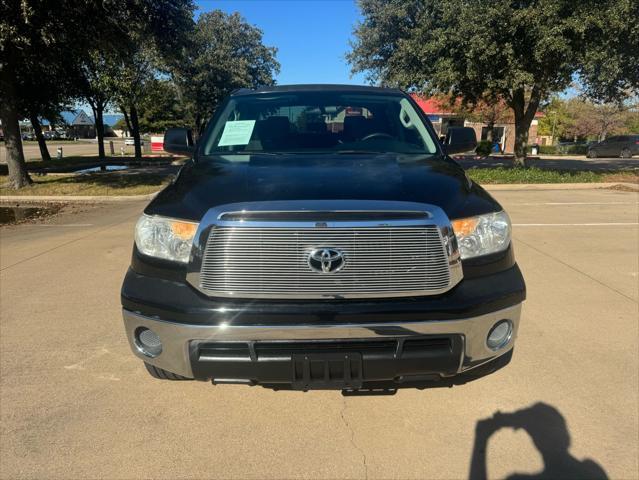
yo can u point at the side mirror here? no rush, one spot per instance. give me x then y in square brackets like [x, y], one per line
[459, 140]
[178, 141]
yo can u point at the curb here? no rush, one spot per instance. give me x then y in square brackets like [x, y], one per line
[75, 198]
[558, 186]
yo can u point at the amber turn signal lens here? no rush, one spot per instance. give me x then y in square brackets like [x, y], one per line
[465, 226]
[183, 230]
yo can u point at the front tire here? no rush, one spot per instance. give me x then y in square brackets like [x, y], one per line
[161, 374]
[626, 153]
[591, 154]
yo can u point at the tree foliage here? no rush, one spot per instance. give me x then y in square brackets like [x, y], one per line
[225, 53]
[556, 119]
[596, 121]
[46, 47]
[486, 50]
[610, 67]
[161, 108]
[40, 44]
[579, 118]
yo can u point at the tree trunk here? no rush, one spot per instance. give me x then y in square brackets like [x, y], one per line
[98, 111]
[18, 175]
[42, 143]
[521, 141]
[135, 131]
[126, 120]
[198, 126]
[524, 115]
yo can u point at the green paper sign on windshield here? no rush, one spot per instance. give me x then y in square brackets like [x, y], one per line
[237, 132]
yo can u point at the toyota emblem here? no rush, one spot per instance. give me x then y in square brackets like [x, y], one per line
[326, 260]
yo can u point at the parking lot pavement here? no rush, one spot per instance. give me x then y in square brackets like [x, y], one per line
[69, 148]
[74, 402]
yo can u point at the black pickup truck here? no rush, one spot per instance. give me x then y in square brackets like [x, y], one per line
[321, 237]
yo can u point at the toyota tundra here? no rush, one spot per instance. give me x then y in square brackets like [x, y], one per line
[320, 236]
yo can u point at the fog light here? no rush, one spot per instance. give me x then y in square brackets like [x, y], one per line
[148, 342]
[499, 335]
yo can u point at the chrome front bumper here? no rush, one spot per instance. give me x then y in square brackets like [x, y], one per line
[176, 337]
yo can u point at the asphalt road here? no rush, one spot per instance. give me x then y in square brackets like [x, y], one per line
[69, 148]
[75, 403]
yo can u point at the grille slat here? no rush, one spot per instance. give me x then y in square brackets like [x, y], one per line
[273, 261]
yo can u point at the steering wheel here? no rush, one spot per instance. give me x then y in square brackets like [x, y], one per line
[371, 136]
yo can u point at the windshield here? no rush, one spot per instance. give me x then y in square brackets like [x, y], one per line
[313, 122]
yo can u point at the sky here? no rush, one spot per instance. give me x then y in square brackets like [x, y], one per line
[312, 37]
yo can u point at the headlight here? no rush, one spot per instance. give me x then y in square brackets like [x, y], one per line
[483, 234]
[165, 238]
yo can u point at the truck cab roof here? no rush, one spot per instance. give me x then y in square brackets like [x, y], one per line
[316, 88]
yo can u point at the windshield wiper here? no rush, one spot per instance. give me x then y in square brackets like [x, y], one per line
[359, 152]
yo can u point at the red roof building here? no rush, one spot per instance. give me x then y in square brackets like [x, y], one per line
[442, 115]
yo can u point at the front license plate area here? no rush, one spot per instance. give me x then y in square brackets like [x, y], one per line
[314, 371]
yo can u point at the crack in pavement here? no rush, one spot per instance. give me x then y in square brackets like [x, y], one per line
[353, 438]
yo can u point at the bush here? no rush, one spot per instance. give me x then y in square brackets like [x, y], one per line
[544, 149]
[577, 149]
[484, 148]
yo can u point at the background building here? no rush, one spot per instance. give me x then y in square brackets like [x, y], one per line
[442, 115]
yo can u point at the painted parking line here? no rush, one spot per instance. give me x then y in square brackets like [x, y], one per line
[610, 224]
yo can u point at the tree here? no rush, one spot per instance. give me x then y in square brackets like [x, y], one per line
[520, 52]
[632, 120]
[58, 38]
[598, 121]
[40, 45]
[226, 53]
[610, 67]
[152, 54]
[132, 86]
[97, 88]
[44, 95]
[160, 108]
[557, 119]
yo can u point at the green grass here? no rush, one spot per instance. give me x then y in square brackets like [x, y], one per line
[536, 175]
[111, 183]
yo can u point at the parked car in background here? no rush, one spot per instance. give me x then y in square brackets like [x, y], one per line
[624, 146]
[28, 136]
[51, 135]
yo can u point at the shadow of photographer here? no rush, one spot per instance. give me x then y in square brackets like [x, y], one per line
[548, 430]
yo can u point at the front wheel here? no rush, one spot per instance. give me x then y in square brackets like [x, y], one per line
[161, 374]
[591, 154]
[626, 153]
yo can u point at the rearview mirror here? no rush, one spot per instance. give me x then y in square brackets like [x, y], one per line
[178, 141]
[459, 140]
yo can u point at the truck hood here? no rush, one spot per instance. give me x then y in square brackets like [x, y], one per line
[219, 180]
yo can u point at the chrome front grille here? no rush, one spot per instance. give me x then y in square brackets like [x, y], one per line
[272, 262]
